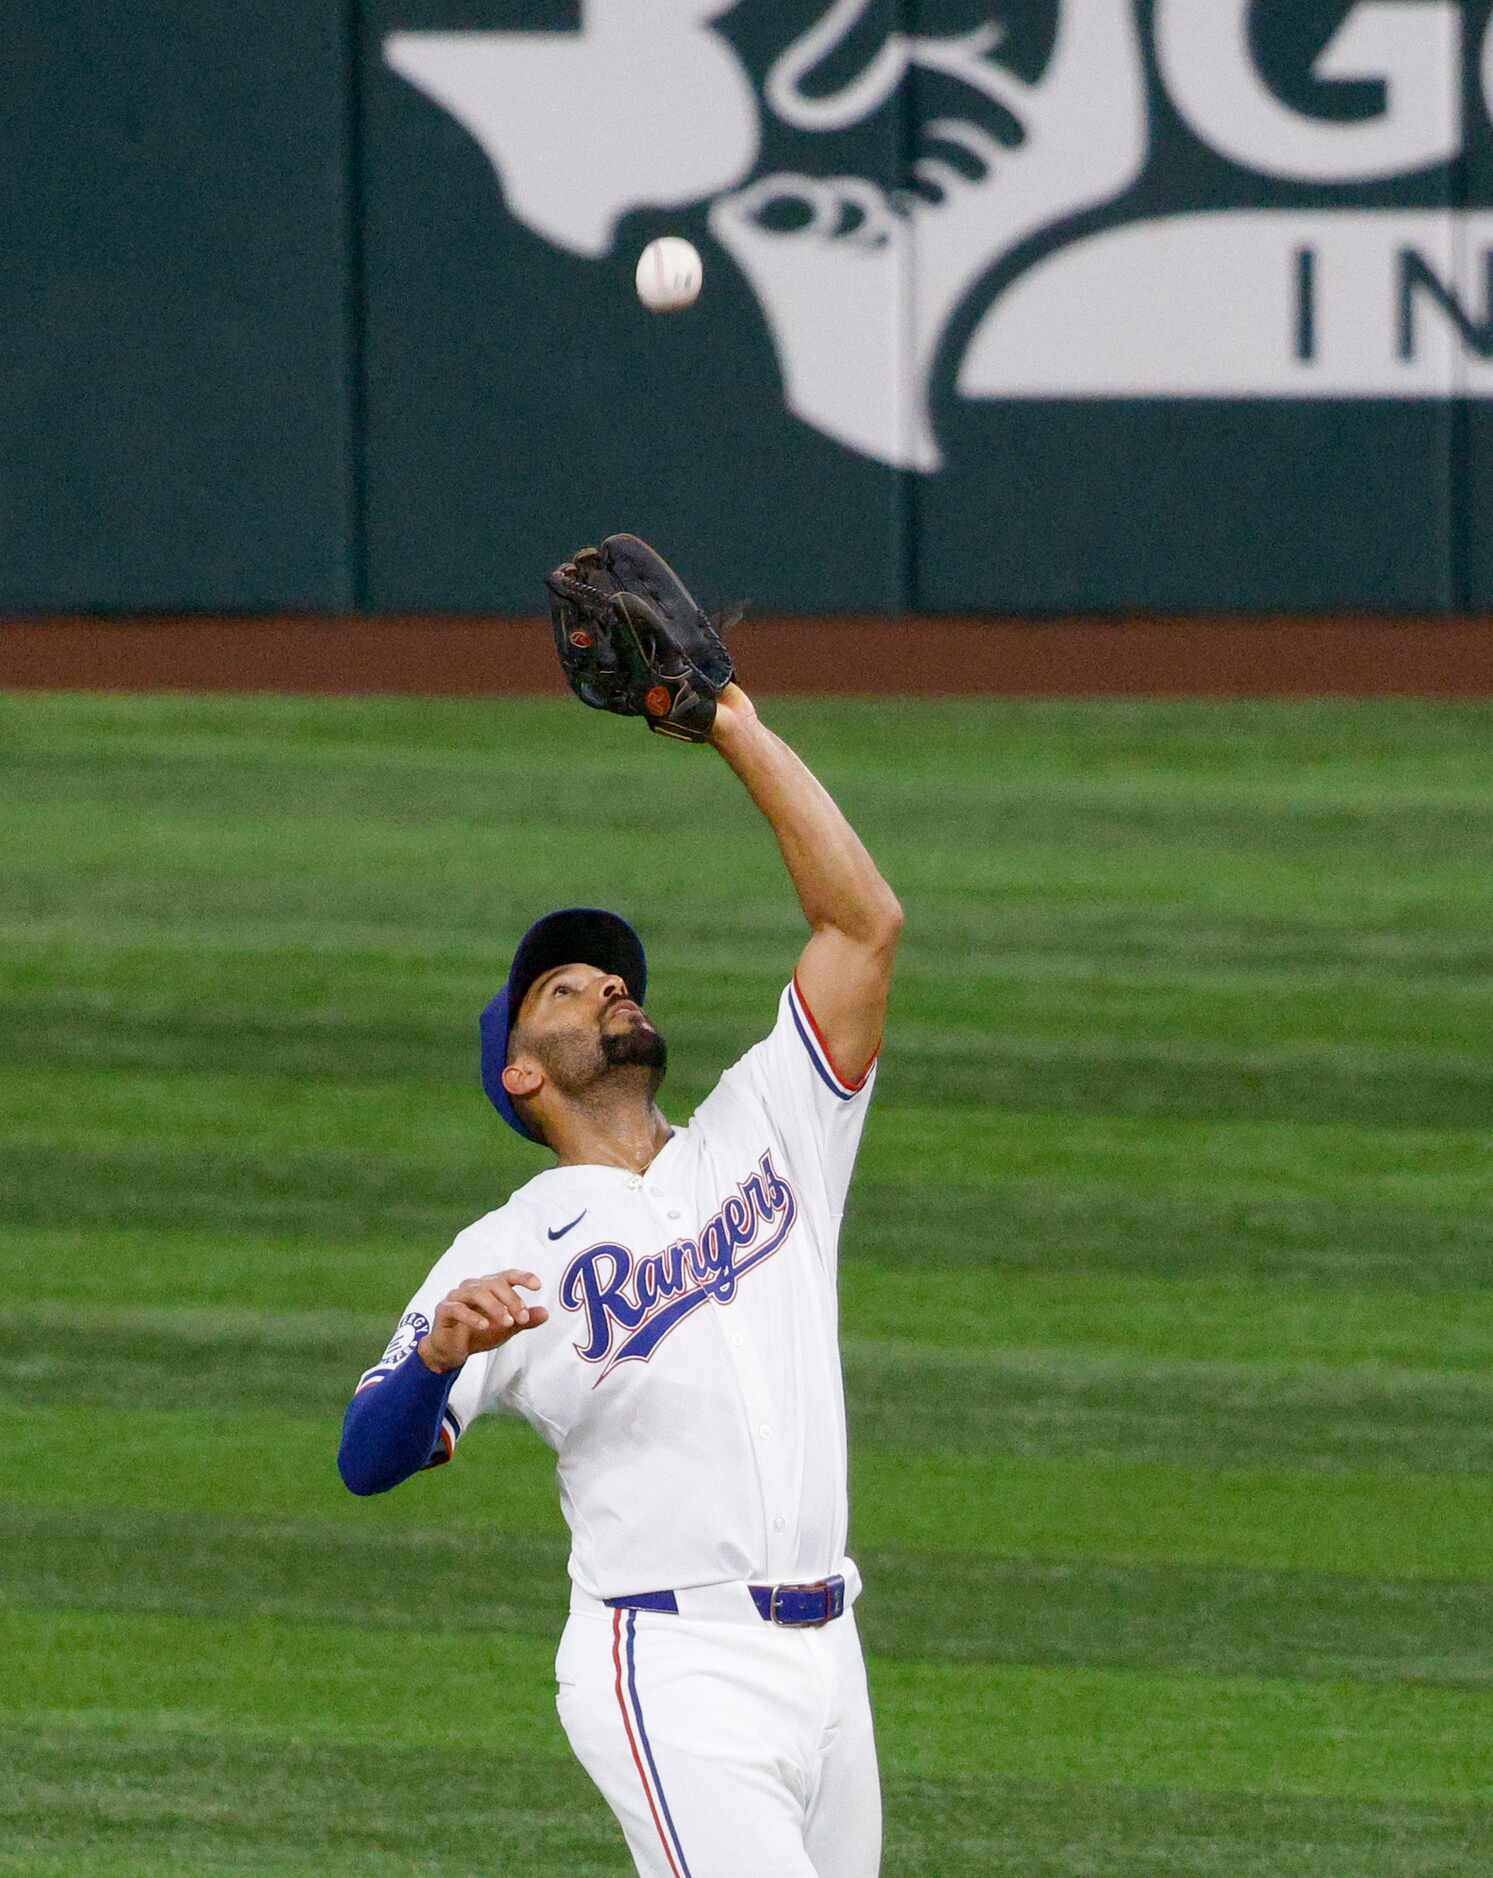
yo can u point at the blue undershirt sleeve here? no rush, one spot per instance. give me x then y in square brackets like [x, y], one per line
[392, 1428]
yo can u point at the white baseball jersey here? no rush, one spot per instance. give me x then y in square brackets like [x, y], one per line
[688, 1377]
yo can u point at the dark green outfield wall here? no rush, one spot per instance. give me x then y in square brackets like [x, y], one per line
[1051, 304]
[174, 355]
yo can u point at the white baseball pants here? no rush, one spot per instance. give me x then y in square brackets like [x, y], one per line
[726, 1746]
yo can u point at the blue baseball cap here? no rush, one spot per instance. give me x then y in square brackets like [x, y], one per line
[580, 935]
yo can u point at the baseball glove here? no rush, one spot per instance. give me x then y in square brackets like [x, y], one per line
[631, 639]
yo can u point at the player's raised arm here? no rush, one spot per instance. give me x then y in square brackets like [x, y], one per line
[845, 970]
[632, 639]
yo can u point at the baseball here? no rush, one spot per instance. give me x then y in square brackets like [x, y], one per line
[670, 274]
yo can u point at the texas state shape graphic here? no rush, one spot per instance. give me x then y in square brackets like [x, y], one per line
[651, 106]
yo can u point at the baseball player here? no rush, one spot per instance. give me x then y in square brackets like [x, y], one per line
[660, 1306]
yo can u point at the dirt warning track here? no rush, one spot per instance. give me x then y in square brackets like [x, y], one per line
[915, 656]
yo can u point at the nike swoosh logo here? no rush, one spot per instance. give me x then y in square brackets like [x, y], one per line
[575, 1222]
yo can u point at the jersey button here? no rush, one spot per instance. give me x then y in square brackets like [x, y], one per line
[779, 1523]
[765, 1432]
[737, 1340]
[674, 1213]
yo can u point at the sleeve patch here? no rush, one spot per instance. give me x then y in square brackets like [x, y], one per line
[412, 1327]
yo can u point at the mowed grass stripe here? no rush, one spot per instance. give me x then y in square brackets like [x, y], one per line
[170, 1800]
[1401, 743]
[1215, 1234]
[419, 1070]
[933, 1607]
[281, 1216]
[179, 1802]
[1038, 744]
[325, 1198]
[1008, 1505]
[1132, 848]
[1358, 1739]
[994, 989]
[249, 1291]
[1155, 1319]
[1286, 1736]
[1280, 1520]
[287, 865]
[966, 954]
[1047, 1403]
[1411, 1167]
[1438, 934]
[278, 1241]
[1027, 1829]
[242, 783]
[900, 1396]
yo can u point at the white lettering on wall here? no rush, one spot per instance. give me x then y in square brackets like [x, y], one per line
[1412, 47]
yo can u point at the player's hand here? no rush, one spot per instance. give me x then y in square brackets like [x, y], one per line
[480, 1315]
[733, 708]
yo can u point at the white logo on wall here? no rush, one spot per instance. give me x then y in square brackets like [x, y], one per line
[651, 107]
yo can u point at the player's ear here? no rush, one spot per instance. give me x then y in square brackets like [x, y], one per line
[522, 1080]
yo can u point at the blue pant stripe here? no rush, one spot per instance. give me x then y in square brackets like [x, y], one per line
[637, 1709]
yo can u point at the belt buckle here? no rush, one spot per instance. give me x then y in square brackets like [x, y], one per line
[822, 1586]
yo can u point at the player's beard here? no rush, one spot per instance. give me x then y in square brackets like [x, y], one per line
[638, 1043]
[577, 1063]
[637, 1046]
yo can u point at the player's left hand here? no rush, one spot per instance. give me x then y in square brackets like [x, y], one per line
[480, 1314]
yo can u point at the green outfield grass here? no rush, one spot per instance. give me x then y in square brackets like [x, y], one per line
[1167, 1296]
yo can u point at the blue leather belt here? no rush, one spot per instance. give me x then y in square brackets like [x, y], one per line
[799, 1607]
